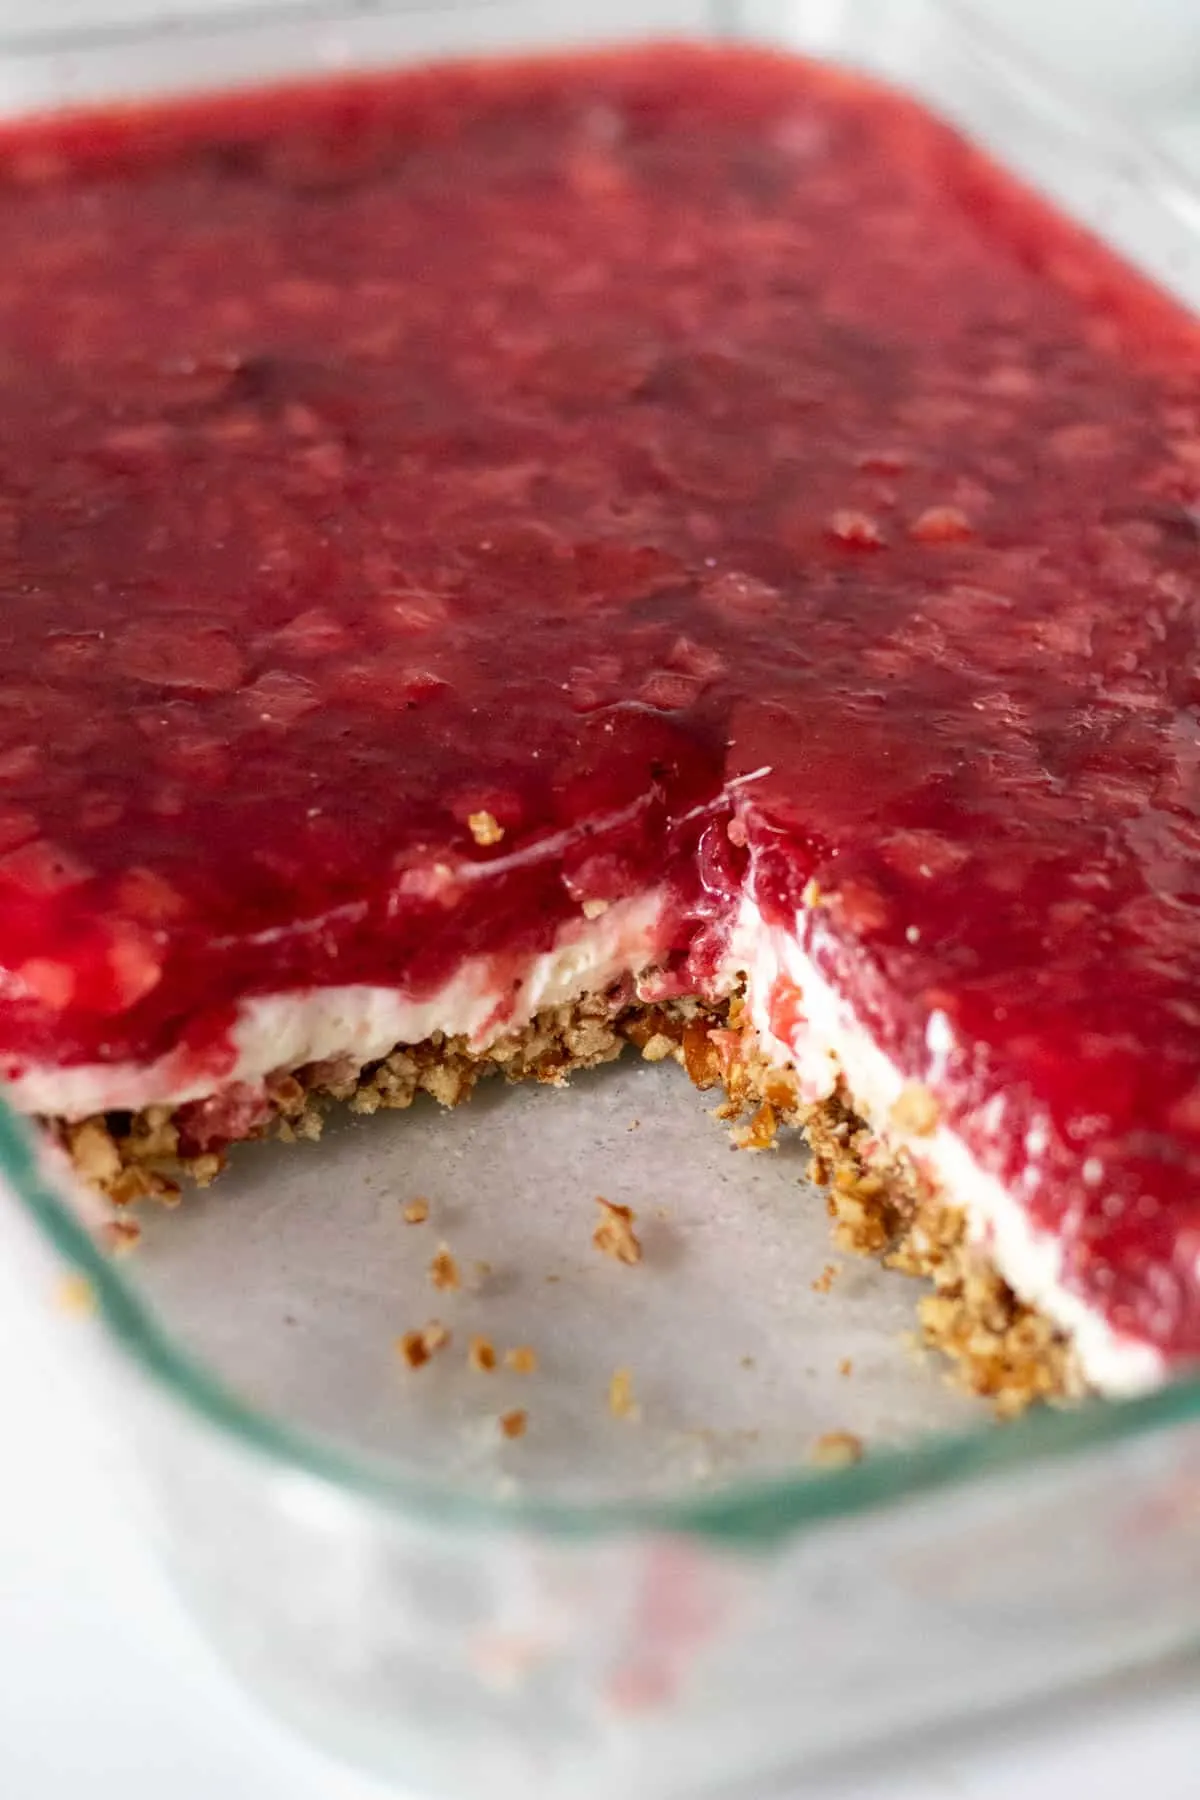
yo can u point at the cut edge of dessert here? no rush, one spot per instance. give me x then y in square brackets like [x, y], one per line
[770, 1032]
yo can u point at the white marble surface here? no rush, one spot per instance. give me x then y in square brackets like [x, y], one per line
[104, 1687]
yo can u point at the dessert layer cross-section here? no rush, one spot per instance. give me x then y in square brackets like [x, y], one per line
[489, 543]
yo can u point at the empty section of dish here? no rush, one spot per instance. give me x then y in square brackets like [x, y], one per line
[744, 1338]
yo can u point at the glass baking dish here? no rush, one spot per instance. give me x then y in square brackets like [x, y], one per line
[647, 1608]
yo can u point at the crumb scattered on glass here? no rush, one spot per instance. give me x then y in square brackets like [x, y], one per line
[621, 1402]
[416, 1347]
[75, 1294]
[615, 1235]
[443, 1270]
[837, 1450]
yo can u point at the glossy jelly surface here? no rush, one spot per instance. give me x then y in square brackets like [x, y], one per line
[571, 442]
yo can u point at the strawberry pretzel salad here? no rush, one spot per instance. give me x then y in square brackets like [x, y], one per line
[673, 548]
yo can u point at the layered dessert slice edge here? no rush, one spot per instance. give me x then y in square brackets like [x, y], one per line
[767, 1029]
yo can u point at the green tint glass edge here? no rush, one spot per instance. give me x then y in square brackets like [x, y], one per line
[752, 1515]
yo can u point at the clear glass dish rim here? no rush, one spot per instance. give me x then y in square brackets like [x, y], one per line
[752, 1514]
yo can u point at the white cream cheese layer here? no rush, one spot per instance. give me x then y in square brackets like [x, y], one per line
[364, 1022]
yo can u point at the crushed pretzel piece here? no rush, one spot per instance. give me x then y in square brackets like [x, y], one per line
[621, 1403]
[411, 1347]
[759, 1132]
[121, 1236]
[846, 1366]
[443, 1270]
[416, 1347]
[521, 1359]
[416, 1212]
[482, 1355]
[614, 1236]
[837, 1450]
[94, 1152]
[512, 1424]
[485, 828]
[136, 1182]
[825, 1279]
[701, 1057]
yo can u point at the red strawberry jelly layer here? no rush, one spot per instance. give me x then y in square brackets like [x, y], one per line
[563, 440]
